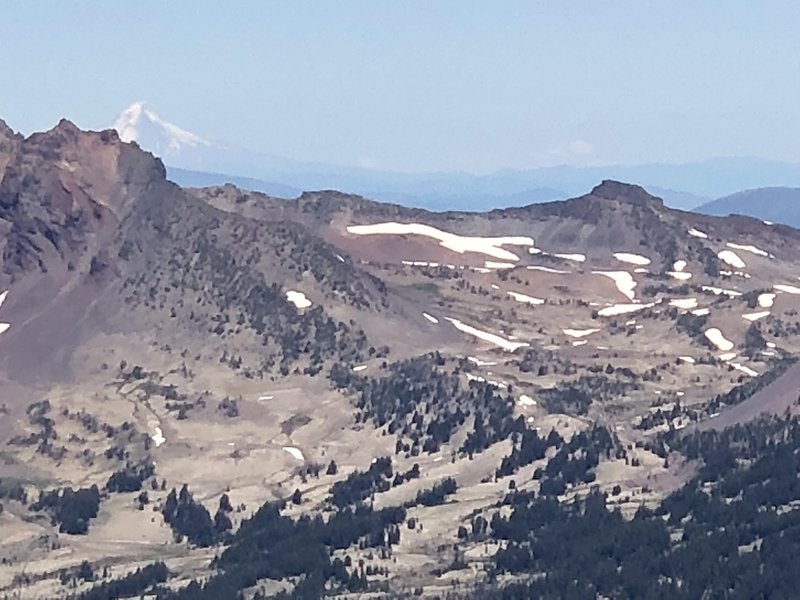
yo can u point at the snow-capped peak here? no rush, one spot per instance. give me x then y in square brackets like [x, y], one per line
[142, 125]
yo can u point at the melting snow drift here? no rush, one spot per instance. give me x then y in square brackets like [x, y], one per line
[489, 246]
[503, 343]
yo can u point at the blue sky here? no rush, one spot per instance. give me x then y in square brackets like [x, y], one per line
[420, 86]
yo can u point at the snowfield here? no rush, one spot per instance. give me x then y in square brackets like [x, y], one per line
[730, 257]
[298, 299]
[501, 342]
[489, 246]
[525, 298]
[623, 280]
[634, 259]
[715, 336]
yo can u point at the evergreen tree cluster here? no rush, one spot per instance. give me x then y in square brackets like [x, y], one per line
[424, 400]
[188, 518]
[129, 586]
[732, 532]
[270, 545]
[70, 509]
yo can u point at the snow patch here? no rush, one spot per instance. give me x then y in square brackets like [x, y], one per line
[684, 303]
[525, 298]
[744, 369]
[573, 257]
[622, 309]
[701, 312]
[756, 315]
[679, 265]
[687, 359]
[359, 368]
[630, 257]
[546, 269]
[698, 234]
[158, 436]
[622, 279]
[749, 248]
[715, 336]
[298, 299]
[579, 333]
[294, 452]
[525, 400]
[491, 264]
[503, 343]
[489, 246]
[680, 275]
[430, 318]
[579, 343]
[481, 363]
[717, 291]
[789, 289]
[766, 300]
[730, 257]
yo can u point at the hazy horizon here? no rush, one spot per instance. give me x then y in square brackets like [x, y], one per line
[415, 87]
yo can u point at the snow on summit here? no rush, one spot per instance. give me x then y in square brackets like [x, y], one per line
[139, 124]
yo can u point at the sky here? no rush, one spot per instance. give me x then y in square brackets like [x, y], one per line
[421, 85]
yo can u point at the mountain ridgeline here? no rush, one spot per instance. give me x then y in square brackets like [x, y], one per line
[209, 392]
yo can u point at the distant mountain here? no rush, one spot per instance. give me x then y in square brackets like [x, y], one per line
[682, 186]
[195, 179]
[776, 204]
